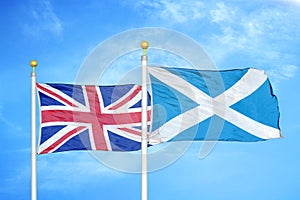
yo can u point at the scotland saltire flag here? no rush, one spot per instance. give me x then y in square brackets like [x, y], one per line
[231, 105]
[78, 117]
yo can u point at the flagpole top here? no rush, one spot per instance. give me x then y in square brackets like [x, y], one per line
[33, 63]
[145, 45]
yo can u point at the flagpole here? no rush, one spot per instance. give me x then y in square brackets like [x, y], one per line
[33, 65]
[144, 172]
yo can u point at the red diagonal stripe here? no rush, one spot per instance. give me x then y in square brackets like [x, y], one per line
[139, 133]
[42, 88]
[128, 98]
[62, 139]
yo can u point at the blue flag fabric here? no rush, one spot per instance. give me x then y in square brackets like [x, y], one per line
[230, 105]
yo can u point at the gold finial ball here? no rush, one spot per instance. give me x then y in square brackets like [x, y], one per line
[144, 45]
[33, 63]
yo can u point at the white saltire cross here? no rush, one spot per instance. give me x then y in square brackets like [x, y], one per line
[208, 106]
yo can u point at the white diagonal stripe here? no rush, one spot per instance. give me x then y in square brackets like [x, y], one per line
[63, 95]
[235, 94]
[106, 137]
[128, 104]
[58, 136]
[180, 85]
[125, 134]
[249, 125]
[180, 123]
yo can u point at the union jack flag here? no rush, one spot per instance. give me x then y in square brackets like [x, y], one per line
[79, 117]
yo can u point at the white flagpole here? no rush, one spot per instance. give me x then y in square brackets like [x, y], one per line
[33, 65]
[144, 60]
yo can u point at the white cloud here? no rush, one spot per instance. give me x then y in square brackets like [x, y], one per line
[296, 2]
[223, 13]
[244, 34]
[261, 34]
[281, 73]
[238, 30]
[289, 71]
[231, 28]
[43, 20]
[173, 11]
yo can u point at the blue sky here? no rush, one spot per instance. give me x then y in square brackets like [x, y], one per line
[235, 34]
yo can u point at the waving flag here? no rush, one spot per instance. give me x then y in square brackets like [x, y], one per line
[187, 101]
[78, 117]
